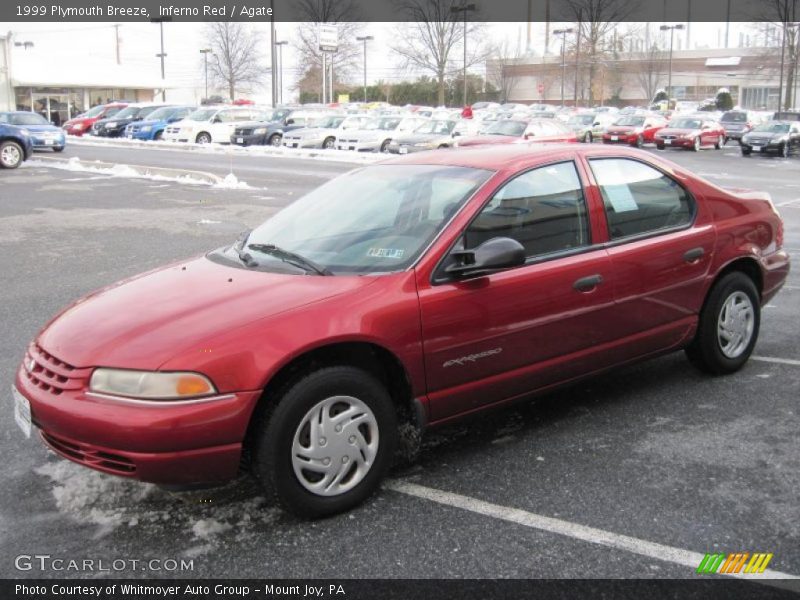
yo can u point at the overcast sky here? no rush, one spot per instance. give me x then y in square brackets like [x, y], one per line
[139, 42]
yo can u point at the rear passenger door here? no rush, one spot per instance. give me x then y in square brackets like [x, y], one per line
[660, 244]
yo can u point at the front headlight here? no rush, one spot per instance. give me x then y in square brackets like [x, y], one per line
[111, 124]
[151, 385]
[146, 127]
[422, 145]
[78, 126]
[25, 132]
[260, 131]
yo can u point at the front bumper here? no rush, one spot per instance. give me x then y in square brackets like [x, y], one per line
[763, 148]
[79, 131]
[407, 148]
[252, 139]
[43, 142]
[108, 132]
[620, 138]
[301, 143]
[167, 443]
[675, 143]
[357, 146]
[140, 135]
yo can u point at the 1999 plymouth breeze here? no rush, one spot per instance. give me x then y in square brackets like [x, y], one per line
[410, 292]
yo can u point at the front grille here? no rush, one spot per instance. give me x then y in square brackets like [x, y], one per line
[90, 456]
[243, 131]
[52, 375]
[173, 129]
[133, 128]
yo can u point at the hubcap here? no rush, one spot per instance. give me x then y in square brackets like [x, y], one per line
[10, 156]
[335, 446]
[735, 324]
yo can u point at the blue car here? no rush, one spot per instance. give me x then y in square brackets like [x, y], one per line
[153, 127]
[15, 146]
[43, 133]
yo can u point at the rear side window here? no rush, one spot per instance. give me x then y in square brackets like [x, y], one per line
[640, 199]
[543, 209]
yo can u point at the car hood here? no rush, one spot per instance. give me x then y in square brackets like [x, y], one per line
[313, 131]
[142, 322]
[478, 140]
[43, 128]
[623, 129]
[123, 121]
[370, 134]
[677, 131]
[152, 122]
[764, 135]
[84, 120]
[421, 137]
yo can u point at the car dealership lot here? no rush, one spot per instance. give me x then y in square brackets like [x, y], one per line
[656, 452]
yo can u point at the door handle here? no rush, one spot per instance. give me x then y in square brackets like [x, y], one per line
[693, 255]
[587, 284]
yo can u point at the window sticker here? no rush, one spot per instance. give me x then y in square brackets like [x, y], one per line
[620, 198]
[386, 252]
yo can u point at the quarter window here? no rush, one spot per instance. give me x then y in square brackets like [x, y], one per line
[640, 199]
[543, 209]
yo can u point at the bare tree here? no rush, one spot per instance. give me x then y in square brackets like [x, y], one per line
[432, 32]
[781, 13]
[500, 70]
[237, 63]
[650, 69]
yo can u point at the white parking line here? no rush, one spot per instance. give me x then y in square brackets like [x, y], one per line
[678, 556]
[780, 361]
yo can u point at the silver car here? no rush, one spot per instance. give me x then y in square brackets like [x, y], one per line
[323, 133]
[428, 136]
[377, 134]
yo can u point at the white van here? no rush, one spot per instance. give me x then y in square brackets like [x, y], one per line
[212, 124]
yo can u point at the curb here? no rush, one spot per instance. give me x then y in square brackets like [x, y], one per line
[141, 170]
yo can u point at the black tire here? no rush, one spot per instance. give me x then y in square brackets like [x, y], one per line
[328, 143]
[660, 146]
[746, 151]
[639, 141]
[720, 142]
[385, 146]
[587, 137]
[11, 154]
[58, 148]
[203, 138]
[696, 144]
[158, 135]
[705, 351]
[274, 431]
[785, 150]
[275, 139]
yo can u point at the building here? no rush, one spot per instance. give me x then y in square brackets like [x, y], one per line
[59, 89]
[632, 78]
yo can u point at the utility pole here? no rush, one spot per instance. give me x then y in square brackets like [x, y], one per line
[205, 52]
[280, 46]
[563, 33]
[273, 58]
[727, 23]
[577, 62]
[466, 8]
[671, 29]
[116, 37]
[785, 20]
[162, 55]
[365, 39]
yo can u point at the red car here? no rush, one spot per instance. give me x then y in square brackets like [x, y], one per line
[635, 130]
[83, 122]
[510, 131]
[691, 133]
[399, 296]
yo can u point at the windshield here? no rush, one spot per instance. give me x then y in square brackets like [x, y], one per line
[581, 120]
[128, 112]
[506, 127]
[93, 112]
[24, 119]
[372, 220]
[630, 121]
[326, 122]
[162, 113]
[772, 128]
[734, 117]
[437, 127]
[685, 124]
[204, 114]
[386, 124]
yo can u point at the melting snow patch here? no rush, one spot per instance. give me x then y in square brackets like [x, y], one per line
[207, 528]
[231, 182]
[208, 222]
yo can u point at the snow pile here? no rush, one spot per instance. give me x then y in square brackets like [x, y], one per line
[231, 182]
[235, 511]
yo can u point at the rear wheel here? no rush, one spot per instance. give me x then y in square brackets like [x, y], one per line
[328, 442]
[728, 327]
[203, 138]
[11, 154]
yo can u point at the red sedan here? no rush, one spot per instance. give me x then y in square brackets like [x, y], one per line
[400, 295]
[634, 130]
[691, 133]
[82, 123]
[515, 131]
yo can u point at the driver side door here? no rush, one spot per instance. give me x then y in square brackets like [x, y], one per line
[494, 337]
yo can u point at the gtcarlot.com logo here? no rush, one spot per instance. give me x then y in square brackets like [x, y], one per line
[735, 563]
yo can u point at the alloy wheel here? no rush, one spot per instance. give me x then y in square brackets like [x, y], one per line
[10, 156]
[735, 324]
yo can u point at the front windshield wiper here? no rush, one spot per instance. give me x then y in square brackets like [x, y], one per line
[289, 257]
[244, 256]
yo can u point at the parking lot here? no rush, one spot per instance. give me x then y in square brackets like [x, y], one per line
[636, 473]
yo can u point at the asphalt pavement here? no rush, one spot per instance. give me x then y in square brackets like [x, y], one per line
[632, 474]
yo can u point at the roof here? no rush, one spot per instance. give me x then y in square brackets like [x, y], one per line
[36, 71]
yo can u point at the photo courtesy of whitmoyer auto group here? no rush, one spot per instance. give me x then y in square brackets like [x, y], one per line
[400, 299]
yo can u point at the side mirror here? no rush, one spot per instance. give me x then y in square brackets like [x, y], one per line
[290, 121]
[596, 124]
[529, 135]
[216, 120]
[492, 255]
[456, 133]
[706, 127]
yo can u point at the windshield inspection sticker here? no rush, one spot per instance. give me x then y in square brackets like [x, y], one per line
[386, 252]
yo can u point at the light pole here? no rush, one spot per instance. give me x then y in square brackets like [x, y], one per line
[280, 46]
[466, 8]
[162, 55]
[205, 52]
[563, 33]
[671, 29]
[365, 39]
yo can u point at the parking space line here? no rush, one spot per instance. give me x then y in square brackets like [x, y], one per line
[780, 361]
[592, 535]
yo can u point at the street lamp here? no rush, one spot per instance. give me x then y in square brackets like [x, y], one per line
[563, 33]
[162, 55]
[466, 8]
[671, 29]
[365, 39]
[280, 46]
[205, 52]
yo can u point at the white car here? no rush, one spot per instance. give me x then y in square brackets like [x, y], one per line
[377, 134]
[323, 132]
[212, 124]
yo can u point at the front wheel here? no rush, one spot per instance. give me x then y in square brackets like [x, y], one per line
[203, 138]
[58, 148]
[587, 138]
[639, 141]
[746, 151]
[785, 151]
[720, 142]
[728, 326]
[328, 143]
[328, 442]
[11, 155]
[385, 146]
[275, 139]
[696, 145]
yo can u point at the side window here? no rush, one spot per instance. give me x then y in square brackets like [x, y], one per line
[640, 199]
[543, 209]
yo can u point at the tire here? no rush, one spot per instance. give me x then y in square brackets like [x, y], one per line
[385, 146]
[720, 142]
[328, 143]
[11, 154]
[58, 148]
[275, 139]
[281, 437]
[639, 141]
[660, 146]
[746, 151]
[203, 138]
[785, 151]
[158, 135]
[587, 137]
[734, 296]
[696, 145]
